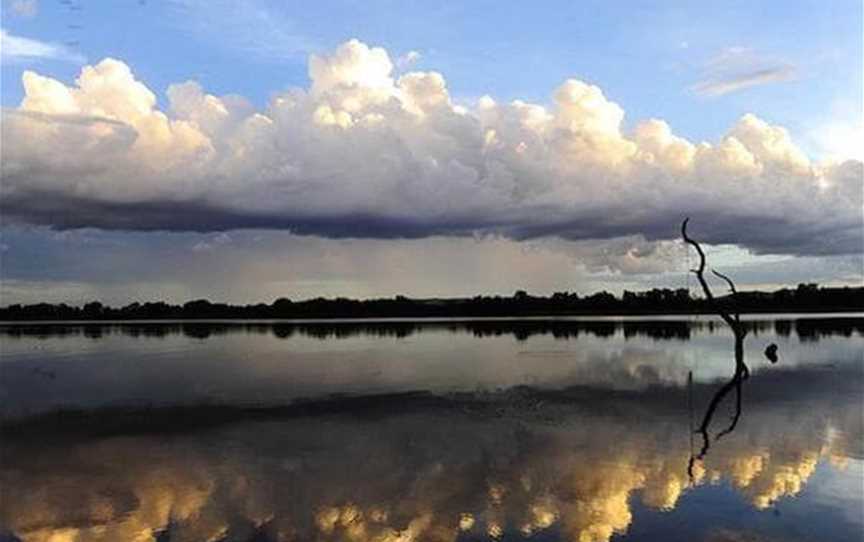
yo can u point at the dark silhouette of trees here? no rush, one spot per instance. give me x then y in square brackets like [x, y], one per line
[804, 298]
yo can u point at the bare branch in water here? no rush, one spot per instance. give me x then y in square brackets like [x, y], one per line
[742, 372]
[700, 275]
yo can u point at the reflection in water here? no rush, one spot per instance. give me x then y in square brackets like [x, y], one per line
[586, 444]
[736, 383]
[742, 373]
[806, 329]
[571, 464]
[41, 373]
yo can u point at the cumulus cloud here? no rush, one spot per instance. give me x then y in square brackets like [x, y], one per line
[364, 153]
[841, 138]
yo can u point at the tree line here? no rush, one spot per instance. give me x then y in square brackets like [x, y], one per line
[804, 298]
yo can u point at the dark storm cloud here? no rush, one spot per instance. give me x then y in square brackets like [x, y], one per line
[762, 235]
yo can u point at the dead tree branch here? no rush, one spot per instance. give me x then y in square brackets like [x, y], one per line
[742, 372]
[733, 322]
[727, 279]
[731, 288]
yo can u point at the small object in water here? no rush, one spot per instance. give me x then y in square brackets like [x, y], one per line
[771, 352]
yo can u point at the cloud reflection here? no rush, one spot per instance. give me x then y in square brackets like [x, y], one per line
[571, 465]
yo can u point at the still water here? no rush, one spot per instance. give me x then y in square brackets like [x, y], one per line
[541, 429]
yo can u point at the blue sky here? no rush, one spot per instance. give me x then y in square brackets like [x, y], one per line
[699, 67]
[645, 55]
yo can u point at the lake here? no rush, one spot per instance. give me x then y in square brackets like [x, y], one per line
[571, 429]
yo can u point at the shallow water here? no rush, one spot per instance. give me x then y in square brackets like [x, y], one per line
[548, 429]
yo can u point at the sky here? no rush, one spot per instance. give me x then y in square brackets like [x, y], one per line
[243, 151]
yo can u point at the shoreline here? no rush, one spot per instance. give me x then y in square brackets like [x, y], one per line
[580, 316]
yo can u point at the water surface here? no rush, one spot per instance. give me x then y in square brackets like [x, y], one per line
[541, 429]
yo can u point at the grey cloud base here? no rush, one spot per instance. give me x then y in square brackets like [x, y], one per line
[760, 235]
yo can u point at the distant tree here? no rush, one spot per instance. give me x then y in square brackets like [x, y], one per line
[682, 296]
[93, 310]
[282, 307]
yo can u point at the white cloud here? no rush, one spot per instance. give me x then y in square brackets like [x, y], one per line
[18, 49]
[745, 80]
[408, 59]
[840, 140]
[362, 153]
[216, 241]
[738, 68]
